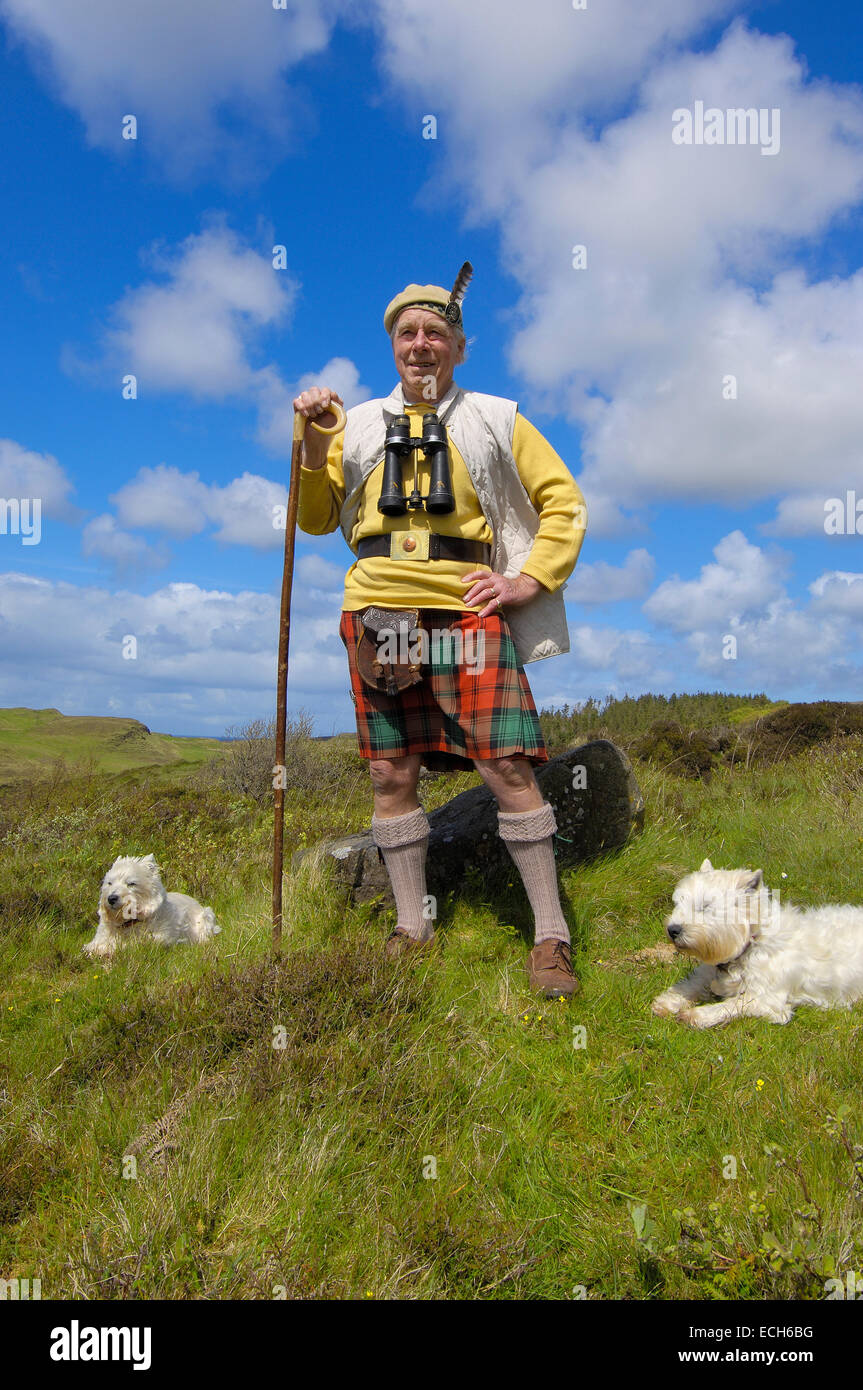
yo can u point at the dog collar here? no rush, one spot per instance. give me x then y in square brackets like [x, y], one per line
[721, 969]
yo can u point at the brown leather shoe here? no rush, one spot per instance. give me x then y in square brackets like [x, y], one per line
[401, 943]
[549, 966]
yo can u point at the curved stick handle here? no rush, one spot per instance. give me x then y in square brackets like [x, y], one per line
[300, 422]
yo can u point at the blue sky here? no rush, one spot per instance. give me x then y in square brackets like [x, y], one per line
[303, 127]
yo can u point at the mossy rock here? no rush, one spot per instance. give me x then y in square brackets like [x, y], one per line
[597, 804]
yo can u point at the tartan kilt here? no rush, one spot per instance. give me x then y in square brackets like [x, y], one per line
[456, 713]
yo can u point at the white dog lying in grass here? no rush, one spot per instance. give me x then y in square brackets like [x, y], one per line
[760, 958]
[134, 903]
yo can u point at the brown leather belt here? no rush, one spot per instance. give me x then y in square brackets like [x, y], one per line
[439, 547]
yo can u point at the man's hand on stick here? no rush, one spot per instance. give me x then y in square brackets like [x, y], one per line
[496, 592]
[315, 405]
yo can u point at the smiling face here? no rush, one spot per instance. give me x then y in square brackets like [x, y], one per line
[424, 346]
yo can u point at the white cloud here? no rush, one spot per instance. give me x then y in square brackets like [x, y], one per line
[606, 517]
[604, 583]
[245, 511]
[180, 505]
[779, 645]
[321, 576]
[505, 71]
[205, 78]
[801, 515]
[193, 332]
[24, 473]
[102, 537]
[317, 571]
[839, 592]
[742, 582]
[163, 499]
[606, 661]
[839, 513]
[630, 654]
[789, 648]
[196, 332]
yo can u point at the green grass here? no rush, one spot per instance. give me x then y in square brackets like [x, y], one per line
[747, 714]
[300, 1167]
[42, 741]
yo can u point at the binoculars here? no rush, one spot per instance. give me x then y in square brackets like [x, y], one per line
[398, 445]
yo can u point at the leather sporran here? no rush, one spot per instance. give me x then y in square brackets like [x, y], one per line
[389, 650]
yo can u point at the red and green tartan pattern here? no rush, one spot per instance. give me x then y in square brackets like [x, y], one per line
[455, 714]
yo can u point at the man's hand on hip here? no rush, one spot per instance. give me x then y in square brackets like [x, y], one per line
[314, 404]
[495, 591]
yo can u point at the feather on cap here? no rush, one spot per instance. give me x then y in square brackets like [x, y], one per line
[457, 293]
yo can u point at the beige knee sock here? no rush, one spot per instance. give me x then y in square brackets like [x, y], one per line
[403, 842]
[527, 836]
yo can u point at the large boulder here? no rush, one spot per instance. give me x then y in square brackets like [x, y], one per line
[597, 804]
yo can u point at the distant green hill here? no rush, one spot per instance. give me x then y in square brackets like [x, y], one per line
[747, 714]
[35, 741]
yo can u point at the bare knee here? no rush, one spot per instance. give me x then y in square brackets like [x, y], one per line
[394, 778]
[512, 773]
[512, 781]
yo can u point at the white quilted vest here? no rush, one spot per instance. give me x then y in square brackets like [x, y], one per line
[481, 428]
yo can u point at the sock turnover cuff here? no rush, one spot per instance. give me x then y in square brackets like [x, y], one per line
[527, 826]
[389, 832]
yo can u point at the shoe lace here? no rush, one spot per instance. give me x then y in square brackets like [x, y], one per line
[561, 957]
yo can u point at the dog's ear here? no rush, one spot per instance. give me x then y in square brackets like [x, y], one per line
[149, 859]
[706, 868]
[754, 881]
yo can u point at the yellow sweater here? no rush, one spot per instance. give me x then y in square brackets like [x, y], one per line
[438, 583]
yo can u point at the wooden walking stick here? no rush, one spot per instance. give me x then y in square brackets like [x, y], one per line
[300, 423]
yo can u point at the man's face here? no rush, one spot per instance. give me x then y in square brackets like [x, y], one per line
[424, 347]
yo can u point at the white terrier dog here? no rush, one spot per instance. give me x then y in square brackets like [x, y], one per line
[759, 958]
[133, 902]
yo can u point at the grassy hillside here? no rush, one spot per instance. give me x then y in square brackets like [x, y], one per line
[215, 1123]
[748, 713]
[36, 741]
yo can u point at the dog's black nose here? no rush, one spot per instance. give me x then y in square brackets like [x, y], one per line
[113, 900]
[673, 931]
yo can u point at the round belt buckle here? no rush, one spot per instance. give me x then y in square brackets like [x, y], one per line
[409, 543]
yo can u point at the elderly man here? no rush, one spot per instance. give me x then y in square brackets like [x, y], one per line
[488, 572]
